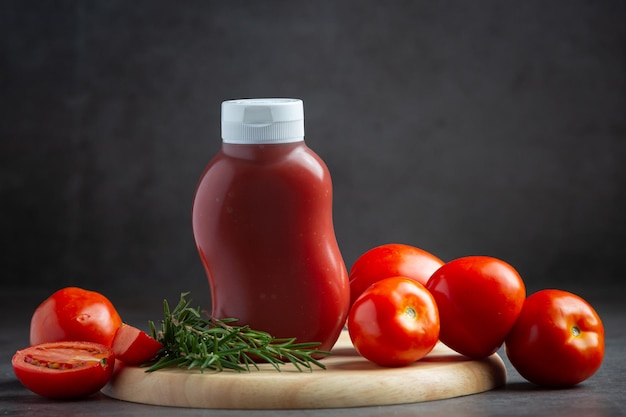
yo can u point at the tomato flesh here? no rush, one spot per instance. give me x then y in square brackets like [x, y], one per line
[64, 370]
[558, 339]
[56, 357]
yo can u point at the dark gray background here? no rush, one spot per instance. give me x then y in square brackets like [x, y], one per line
[489, 127]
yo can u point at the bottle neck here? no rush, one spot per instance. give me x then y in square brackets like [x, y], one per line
[260, 151]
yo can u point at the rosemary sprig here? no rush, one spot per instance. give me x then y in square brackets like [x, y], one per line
[194, 340]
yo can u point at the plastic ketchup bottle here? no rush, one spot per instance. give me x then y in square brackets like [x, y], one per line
[262, 221]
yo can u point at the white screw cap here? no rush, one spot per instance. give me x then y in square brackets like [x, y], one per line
[263, 120]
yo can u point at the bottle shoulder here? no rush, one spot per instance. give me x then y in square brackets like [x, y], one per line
[268, 158]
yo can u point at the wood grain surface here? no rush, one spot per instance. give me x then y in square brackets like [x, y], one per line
[348, 381]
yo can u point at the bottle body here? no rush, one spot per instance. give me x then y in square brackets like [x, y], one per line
[262, 221]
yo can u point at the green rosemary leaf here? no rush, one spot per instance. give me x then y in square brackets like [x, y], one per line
[165, 363]
[191, 338]
[297, 363]
[247, 362]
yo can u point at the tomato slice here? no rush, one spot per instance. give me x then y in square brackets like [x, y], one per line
[64, 370]
[134, 346]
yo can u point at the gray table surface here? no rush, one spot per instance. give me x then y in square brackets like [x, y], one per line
[602, 395]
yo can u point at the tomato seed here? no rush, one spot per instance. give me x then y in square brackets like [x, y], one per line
[53, 364]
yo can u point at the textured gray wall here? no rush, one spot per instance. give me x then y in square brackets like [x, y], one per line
[490, 127]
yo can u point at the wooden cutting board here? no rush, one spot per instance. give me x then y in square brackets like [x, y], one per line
[348, 381]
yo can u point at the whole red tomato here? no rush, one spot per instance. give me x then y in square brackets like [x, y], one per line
[394, 322]
[479, 298]
[391, 260]
[75, 314]
[558, 339]
[64, 370]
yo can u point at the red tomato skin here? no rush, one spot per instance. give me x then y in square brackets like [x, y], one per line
[391, 260]
[73, 313]
[134, 346]
[479, 298]
[542, 347]
[73, 383]
[381, 331]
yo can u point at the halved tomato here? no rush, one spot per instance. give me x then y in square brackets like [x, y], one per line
[64, 370]
[134, 346]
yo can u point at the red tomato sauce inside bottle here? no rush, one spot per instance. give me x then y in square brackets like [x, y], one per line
[262, 220]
